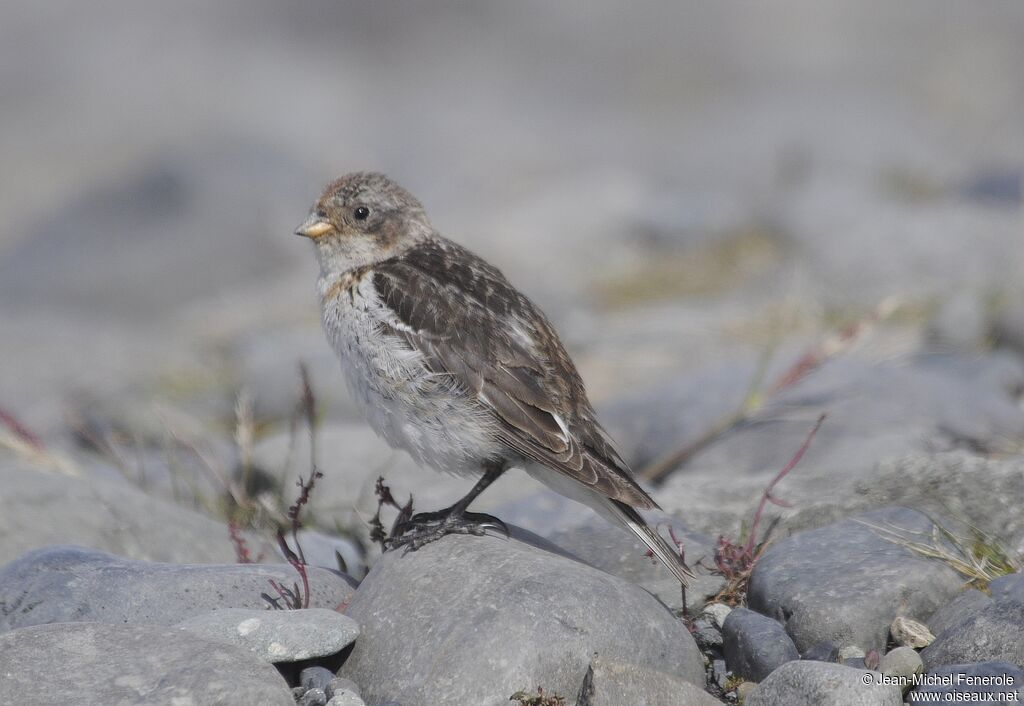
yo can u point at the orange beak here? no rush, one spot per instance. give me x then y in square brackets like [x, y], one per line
[314, 227]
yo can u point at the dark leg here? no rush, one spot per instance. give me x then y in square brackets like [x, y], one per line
[425, 527]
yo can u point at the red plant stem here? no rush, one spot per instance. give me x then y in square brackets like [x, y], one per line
[295, 511]
[242, 555]
[298, 564]
[767, 494]
[280, 591]
[20, 430]
[301, 568]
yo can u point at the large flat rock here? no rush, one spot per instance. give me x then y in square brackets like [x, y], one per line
[72, 584]
[914, 433]
[277, 635]
[98, 663]
[39, 509]
[822, 684]
[472, 620]
[994, 633]
[846, 583]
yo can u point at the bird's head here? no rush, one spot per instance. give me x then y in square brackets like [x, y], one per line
[361, 219]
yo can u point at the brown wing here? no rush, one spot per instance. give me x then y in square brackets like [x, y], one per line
[471, 324]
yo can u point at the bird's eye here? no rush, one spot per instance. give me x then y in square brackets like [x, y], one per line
[361, 213]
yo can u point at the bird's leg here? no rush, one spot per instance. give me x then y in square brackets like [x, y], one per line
[425, 527]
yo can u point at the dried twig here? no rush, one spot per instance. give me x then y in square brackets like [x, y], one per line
[296, 557]
[811, 360]
[245, 436]
[291, 521]
[384, 498]
[834, 344]
[526, 698]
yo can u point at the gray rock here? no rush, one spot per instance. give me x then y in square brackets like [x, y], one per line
[959, 484]
[99, 663]
[1008, 681]
[744, 690]
[313, 697]
[341, 685]
[574, 529]
[605, 546]
[845, 583]
[960, 608]
[654, 422]
[824, 651]
[755, 645]
[993, 633]
[278, 635]
[719, 673]
[718, 612]
[911, 633]
[510, 615]
[71, 584]
[39, 509]
[317, 678]
[901, 662]
[851, 652]
[1008, 588]
[707, 634]
[822, 684]
[348, 698]
[618, 683]
[544, 511]
[903, 434]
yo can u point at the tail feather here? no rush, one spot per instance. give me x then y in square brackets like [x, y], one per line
[666, 553]
[616, 512]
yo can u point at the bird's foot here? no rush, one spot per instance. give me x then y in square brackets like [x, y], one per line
[426, 527]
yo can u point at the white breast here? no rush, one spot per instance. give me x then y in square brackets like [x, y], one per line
[424, 413]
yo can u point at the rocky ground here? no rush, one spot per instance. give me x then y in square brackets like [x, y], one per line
[739, 218]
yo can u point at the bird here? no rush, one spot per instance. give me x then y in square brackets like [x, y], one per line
[457, 367]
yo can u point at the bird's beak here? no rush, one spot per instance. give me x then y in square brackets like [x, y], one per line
[314, 227]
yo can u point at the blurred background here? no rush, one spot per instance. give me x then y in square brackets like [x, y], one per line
[681, 186]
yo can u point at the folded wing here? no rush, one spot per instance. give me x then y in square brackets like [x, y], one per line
[472, 325]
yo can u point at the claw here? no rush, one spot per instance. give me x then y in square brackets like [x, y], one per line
[486, 522]
[426, 527]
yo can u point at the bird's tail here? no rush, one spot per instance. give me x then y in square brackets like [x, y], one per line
[666, 553]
